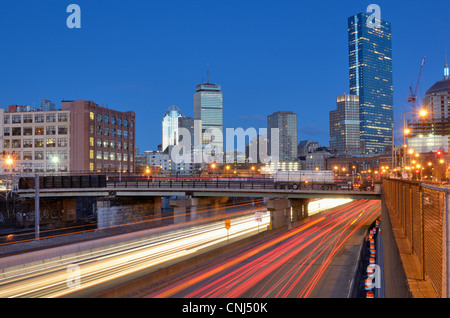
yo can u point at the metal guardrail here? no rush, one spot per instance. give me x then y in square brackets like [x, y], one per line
[246, 183]
[422, 210]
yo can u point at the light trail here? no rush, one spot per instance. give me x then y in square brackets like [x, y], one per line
[117, 262]
[289, 265]
[112, 262]
[202, 212]
[325, 204]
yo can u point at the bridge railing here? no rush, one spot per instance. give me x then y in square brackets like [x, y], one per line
[422, 210]
[212, 183]
[189, 184]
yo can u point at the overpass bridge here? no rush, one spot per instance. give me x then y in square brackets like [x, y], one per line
[116, 201]
[218, 188]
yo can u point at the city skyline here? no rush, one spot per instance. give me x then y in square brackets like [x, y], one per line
[107, 73]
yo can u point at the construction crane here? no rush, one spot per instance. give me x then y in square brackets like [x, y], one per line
[413, 97]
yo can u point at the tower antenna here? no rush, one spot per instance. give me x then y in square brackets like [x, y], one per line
[446, 69]
[446, 60]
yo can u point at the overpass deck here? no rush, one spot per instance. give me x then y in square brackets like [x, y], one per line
[212, 189]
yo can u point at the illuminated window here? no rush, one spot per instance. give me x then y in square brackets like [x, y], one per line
[51, 130]
[62, 117]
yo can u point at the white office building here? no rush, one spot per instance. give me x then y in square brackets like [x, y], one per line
[35, 140]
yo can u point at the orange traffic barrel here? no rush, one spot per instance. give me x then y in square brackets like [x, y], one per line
[368, 284]
[370, 270]
[372, 261]
[370, 294]
[372, 246]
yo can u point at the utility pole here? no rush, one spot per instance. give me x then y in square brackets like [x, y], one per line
[37, 214]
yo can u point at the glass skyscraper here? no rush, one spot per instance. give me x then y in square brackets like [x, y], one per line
[208, 107]
[370, 57]
[170, 127]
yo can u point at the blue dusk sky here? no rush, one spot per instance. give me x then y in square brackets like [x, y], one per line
[267, 56]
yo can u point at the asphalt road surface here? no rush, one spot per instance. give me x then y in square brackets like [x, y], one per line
[314, 260]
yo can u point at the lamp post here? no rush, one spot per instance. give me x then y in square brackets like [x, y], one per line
[37, 214]
[9, 162]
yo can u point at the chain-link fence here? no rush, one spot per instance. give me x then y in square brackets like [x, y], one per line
[422, 212]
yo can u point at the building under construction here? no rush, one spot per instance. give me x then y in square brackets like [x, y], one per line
[436, 124]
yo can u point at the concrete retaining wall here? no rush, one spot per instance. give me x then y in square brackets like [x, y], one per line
[115, 212]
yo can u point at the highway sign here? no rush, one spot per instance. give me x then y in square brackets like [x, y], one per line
[227, 224]
[258, 217]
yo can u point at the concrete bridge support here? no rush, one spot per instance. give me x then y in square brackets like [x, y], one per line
[279, 212]
[179, 209]
[69, 210]
[123, 210]
[197, 208]
[287, 211]
[207, 207]
[299, 209]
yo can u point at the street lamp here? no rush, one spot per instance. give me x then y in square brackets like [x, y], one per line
[9, 162]
[423, 113]
[213, 168]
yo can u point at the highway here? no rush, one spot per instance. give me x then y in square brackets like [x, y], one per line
[105, 266]
[307, 261]
[114, 262]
